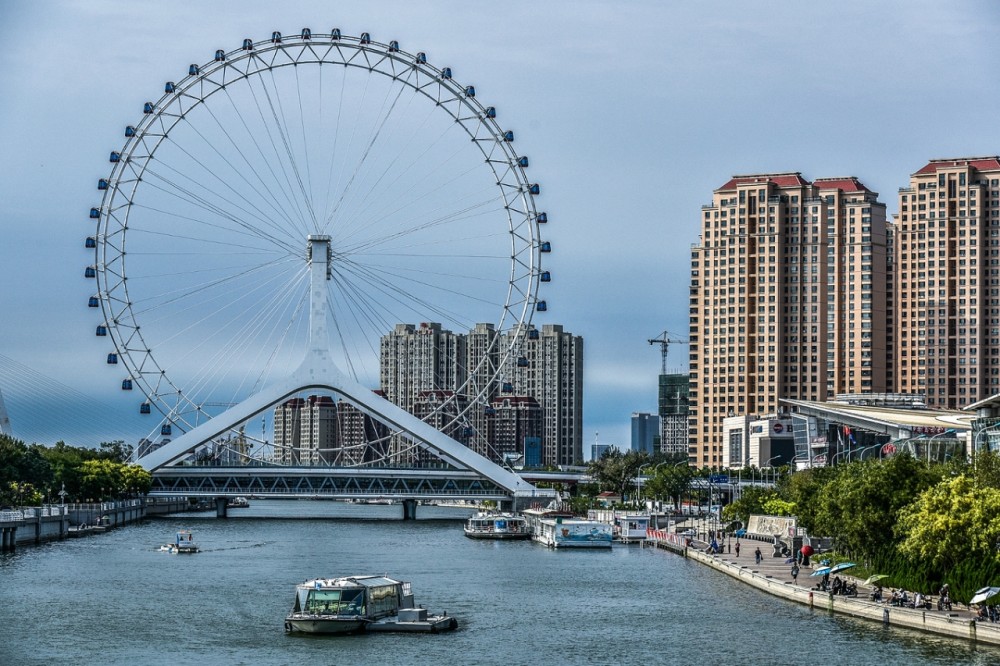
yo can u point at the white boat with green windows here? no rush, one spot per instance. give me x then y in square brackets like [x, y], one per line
[357, 604]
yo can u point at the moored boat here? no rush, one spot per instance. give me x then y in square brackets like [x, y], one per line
[238, 503]
[490, 525]
[357, 604]
[558, 529]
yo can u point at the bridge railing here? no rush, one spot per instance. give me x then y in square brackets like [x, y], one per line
[11, 516]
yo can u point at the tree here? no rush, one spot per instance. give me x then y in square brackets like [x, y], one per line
[953, 521]
[803, 489]
[752, 501]
[136, 480]
[985, 469]
[118, 451]
[100, 479]
[860, 507]
[670, 481]
[617, 471]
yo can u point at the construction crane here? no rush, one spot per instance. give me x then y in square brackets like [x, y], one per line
[664, 341]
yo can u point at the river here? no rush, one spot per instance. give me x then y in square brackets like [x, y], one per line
[115, 599]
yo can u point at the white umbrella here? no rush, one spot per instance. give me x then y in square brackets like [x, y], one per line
[983, 594]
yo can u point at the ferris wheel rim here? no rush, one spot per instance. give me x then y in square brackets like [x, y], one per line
[125, 179]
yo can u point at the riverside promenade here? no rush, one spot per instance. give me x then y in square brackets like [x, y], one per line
[774, 577]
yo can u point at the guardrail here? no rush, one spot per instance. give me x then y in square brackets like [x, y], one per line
[11, 516]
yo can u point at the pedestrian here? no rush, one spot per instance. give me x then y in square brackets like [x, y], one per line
[795, 573]
[757, 555]
[737, 548]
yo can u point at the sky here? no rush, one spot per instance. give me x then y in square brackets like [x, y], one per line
[631, 112]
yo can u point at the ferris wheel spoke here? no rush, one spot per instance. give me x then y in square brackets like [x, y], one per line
[305, 144]
[251, 334]
[471, 212]
[220, 211]
[243, 303]
[336, 140]
[250, 249]
[177, 295]
[269, 125]
[411, 300]
[263, 183]
[429, 193]
[384, 118]
[395, 162]
[239, 225]
[416, 192]
[280, 122]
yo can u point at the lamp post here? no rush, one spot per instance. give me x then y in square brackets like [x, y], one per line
[768, 465]
[949, 431]
[861, 453]
[990, 429]
[638, 480]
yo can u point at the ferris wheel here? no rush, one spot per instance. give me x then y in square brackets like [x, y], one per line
[201, 259]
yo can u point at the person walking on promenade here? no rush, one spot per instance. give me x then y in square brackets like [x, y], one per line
[757, 555]
[737, 549]
[795, 573]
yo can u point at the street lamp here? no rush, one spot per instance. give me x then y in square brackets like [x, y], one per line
[949, 431]
[638, 477]
[768, 465]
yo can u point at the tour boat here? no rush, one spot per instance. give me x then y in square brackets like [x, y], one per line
[183, 544]
[357, 604]
[490, 525]
[557, 529]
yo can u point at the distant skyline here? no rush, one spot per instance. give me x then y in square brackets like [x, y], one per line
[631, 114]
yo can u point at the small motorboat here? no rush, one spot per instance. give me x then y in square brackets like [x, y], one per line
[183, 544]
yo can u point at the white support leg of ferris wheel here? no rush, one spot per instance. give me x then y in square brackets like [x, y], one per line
[318, 371]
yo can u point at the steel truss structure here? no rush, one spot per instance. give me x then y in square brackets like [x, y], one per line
[325, 483]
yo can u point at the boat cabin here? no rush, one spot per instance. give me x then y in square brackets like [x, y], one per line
[369, 597]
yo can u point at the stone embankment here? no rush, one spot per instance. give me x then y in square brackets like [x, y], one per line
[34, 525]
[773, 575]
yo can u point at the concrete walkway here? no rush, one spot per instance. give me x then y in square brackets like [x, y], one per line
[773, 575]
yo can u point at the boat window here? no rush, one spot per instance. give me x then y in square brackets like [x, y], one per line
[336, 602]
[323, 601]
[384, 599]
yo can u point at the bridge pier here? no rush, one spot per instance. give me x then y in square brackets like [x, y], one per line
[409, 509]
[220, 507]
[8, 542]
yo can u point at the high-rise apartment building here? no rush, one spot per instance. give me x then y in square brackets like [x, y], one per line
[305, 431]
[420, 358]
[288, 431]
[787, 299]
[513, 422]
[549, 368]
[319, 430]
[947, 282]
[544, 365]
